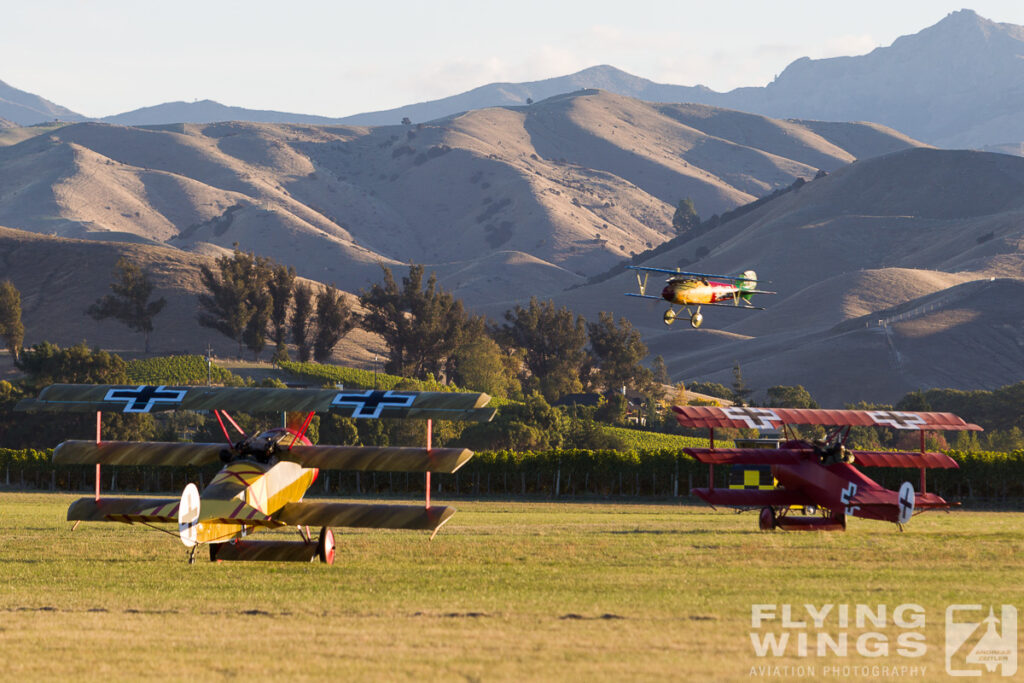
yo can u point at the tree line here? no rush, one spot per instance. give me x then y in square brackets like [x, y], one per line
[428, 332]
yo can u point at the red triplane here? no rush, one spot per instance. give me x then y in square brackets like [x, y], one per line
[821, 474]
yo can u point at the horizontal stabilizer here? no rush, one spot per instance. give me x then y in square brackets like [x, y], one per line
[136, 453]
[746, 456]
[378, 459]
[364, 515]
[904, 459]
[749, 498]
[128, 510]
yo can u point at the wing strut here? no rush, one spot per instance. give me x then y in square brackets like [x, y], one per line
[224, 429]
[922, 469]
[711, 466]
[430, 429]
[99, 423]
[302, 430]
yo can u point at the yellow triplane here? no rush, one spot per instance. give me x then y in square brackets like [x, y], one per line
[265, 475]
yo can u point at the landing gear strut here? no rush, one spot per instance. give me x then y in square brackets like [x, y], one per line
[696, 318]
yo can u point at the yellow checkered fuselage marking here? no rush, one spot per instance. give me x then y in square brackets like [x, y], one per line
[758, 480]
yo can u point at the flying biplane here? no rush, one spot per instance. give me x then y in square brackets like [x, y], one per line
[265, 475]
[821, 473]
[699, 289]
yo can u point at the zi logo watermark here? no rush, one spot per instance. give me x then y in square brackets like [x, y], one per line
[975, 642]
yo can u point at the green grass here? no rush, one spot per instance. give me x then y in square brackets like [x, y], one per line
[506, 591]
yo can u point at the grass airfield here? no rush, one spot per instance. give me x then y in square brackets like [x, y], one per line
[507, 590]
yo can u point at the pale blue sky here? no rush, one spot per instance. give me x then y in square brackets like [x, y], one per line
[336, 58]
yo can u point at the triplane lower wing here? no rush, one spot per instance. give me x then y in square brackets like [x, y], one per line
[687, 289]
[264, 476]
[821, 473]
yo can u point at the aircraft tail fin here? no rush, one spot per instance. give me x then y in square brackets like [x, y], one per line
[747, 285]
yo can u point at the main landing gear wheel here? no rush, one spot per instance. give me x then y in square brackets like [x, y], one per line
[325, 546]
[669, 317]
[766, 521]
[696, 319]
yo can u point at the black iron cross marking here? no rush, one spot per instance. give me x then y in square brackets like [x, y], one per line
[896, 419]
[369, 404]
[907, 504]
[143, 398]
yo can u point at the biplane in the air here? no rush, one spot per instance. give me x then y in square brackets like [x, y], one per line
[699, 289]
[264, 475]
[820, 474]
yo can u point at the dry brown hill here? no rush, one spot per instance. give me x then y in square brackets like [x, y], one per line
[59, 278]
[522, 198]
[936, 237]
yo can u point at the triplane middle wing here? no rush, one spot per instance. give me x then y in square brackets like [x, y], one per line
[820, 474]
[265, 475]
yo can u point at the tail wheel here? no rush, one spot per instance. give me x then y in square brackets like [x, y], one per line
[325, 546]
[696, 319]
[766, 521]
[669, 317]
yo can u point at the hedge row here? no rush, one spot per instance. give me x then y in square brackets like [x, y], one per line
[553, 473]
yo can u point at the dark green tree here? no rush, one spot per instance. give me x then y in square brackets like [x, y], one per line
[302, 321]
[553, 341]
[712, 389]
[480, 366]
[282, 284]
[740, 391]
[48, 363]
[334, 319]
[262, 301]
[421, 323]
[659, 371]
[784, 396]
[238, 303]
[11, 328]
[685, 218]
[527, 426]
[616, 351]
[129, 302]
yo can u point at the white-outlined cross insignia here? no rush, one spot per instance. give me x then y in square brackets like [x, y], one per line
[369, 404]
[142, 398]
[756, 418]
[847, 495]
[896, 419]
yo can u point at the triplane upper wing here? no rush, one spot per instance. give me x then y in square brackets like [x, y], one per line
[683, 273]
[775, 418]
[369, 403]
[821, 474]
[265, 475]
